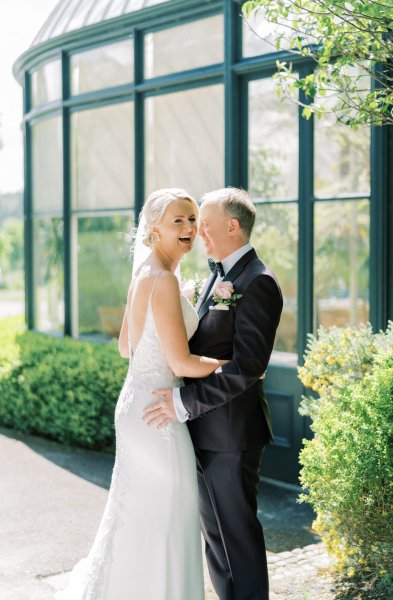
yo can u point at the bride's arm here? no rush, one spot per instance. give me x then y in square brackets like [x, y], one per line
[123, 338]
[122, 343]
[171, 329]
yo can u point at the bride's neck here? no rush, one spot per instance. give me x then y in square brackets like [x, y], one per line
[164, 261]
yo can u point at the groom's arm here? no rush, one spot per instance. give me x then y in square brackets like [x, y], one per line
[257, 317]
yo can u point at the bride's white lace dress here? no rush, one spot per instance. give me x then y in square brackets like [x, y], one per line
[148, 545]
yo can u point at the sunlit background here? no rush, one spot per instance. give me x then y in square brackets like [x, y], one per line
[114, 111]
[20, 20]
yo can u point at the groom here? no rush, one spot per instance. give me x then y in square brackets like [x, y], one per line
[227, 413]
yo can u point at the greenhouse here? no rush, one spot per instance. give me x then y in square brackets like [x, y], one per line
[124, 97]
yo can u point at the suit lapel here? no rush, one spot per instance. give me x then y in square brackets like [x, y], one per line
[203, 297]
[232, 274]
[240, 265]
[205, 307]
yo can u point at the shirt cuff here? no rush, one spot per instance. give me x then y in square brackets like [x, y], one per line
[218, 370]
[181, 413]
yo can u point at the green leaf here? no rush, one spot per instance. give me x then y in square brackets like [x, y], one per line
[350, 33]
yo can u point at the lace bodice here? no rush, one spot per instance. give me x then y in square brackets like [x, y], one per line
[148, 364]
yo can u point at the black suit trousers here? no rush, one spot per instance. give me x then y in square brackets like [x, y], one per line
[235, 548]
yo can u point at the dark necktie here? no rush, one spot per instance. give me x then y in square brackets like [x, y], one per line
[216, 267]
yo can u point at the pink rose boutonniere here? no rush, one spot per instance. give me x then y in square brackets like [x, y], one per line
[224, 296]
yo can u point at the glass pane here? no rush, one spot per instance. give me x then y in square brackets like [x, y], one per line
[275, 238]
[102, 67]
[49, 274]
[138, 4]
[103, 273]
[47, 166]
[115, 8]
[11, 254]
[99, 11]
[66, 19]
[342, 158]
[341, 267]
[259, 36]
[75, 14]
[103, 157]
[273, 144]
[188, 46]
[46, 84]
[185, 140]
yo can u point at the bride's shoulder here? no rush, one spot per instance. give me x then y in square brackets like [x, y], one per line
[162, 280]
[166, 282]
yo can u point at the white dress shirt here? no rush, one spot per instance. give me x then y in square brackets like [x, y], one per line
[227, 263]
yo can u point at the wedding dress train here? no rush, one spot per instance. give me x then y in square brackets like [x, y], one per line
[148, 545]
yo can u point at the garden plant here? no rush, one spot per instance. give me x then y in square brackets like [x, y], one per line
[60, 388]
[347, 467]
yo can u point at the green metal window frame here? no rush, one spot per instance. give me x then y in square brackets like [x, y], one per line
[235, 73]
[304, 200]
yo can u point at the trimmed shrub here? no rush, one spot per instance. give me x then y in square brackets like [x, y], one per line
[348, 465]
[60, 388]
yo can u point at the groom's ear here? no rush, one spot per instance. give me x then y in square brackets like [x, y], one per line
[233, 226]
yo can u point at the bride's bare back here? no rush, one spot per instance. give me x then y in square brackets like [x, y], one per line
[140, 290]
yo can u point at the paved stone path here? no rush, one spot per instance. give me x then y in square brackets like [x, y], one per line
[11, 303]
[296, 575]
[52, 499]
[300, 574]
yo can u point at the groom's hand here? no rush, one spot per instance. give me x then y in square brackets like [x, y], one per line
[162, 412]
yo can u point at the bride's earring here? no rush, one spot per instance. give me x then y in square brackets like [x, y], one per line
[157, 238]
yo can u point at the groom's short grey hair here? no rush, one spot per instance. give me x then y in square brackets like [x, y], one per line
[236, 204]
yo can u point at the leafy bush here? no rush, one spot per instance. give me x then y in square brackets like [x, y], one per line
[63, 389]
[348, 465]
[336, 357]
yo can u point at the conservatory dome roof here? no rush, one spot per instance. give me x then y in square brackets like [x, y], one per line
[70, 15]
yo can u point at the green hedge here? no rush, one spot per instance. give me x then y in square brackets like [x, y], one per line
[348, 465]
[62, 389]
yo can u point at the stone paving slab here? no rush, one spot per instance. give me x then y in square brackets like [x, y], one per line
[52, 499]
[299, 575]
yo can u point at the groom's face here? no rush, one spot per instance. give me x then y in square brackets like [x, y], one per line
[213, 229]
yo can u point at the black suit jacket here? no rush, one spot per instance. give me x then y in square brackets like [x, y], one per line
[228, 410]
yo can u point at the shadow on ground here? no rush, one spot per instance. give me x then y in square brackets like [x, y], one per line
[95, 467]
[287, 524]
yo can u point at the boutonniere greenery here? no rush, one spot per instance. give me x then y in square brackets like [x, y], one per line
[224, 295]
[191, 289]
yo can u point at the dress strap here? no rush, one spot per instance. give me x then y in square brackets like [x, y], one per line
[154, 285]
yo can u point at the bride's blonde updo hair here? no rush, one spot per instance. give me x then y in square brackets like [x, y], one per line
[155, 206]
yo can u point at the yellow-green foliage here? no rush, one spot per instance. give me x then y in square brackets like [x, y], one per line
[335, 358]
[348, 465]
[63, 389]
[9, 350]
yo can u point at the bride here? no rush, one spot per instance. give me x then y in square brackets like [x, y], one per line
[148, 545]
